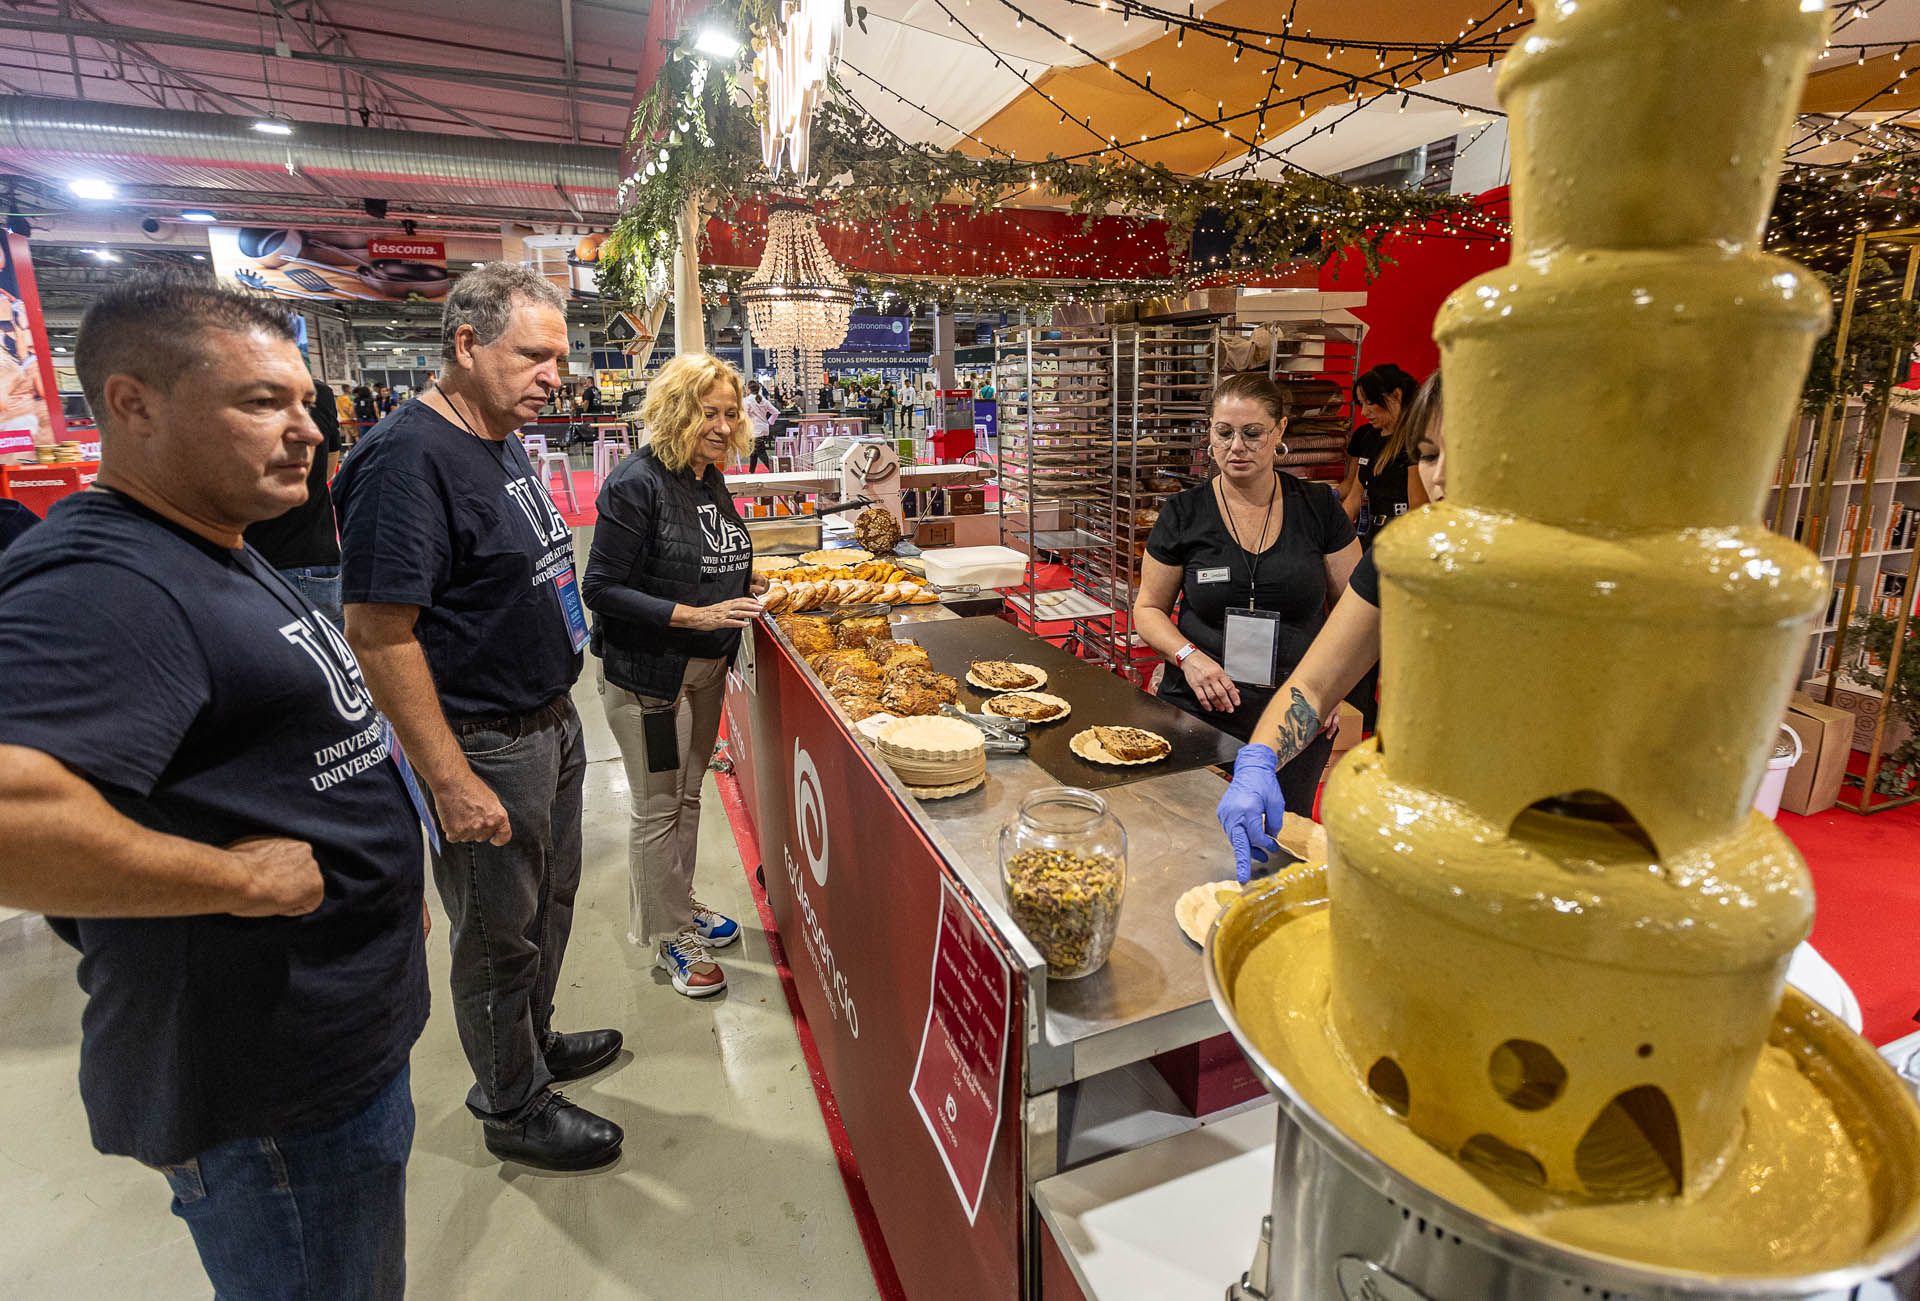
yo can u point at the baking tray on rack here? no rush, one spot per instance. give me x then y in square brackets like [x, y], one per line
[1099, 698]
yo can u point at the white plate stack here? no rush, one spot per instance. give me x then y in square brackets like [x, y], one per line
[935, 756]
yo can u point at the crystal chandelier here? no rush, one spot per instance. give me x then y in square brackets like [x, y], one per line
[797, 300]
[793, 71]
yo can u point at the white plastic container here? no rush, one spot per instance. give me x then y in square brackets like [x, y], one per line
[964, 566]
[1786, 753]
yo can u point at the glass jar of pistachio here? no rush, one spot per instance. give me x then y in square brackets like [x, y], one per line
[1063, 860]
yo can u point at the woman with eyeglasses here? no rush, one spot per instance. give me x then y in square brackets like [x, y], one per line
[1294, 721]
[1255, 558]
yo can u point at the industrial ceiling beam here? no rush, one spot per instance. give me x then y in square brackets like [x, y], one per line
[526, 83]
[566, 41]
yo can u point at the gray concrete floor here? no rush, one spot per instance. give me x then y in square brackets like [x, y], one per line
[727, 1186]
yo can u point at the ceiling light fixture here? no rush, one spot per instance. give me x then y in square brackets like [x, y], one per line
[198, 214]
[91, 187]
[716, 44]
[273, 126]
[104, 254]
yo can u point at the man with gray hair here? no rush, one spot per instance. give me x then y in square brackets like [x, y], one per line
[462, 606]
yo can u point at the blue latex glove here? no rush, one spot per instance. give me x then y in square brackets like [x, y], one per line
[1252, 809]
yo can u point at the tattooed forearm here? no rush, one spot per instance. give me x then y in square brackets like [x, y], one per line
[1297, 728]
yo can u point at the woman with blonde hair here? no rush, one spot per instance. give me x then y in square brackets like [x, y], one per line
[670, 581]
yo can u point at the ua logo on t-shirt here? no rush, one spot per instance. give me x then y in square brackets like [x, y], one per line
[548, 526]
[723, 536]
[328, 649]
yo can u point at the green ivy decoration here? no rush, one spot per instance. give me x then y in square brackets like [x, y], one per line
[696, 133]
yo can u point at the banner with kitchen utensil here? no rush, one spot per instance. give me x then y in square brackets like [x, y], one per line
[30, 415]
[330, 265]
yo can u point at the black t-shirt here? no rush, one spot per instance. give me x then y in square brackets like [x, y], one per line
[1385, 483]
[305, 535]
[193, 687]
[1365, 579]
[1289, 578]
[435, 517]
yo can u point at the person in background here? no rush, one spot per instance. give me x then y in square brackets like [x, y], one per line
[384, 400]
[1255, 557]
[762, 413]
[15, 520]
[1254, 806]
[303, 544]
[197, 792]
[592, 396]
[461, 601]
[670, 581]
[365, 412]
[1380, 485]
[1380, 473]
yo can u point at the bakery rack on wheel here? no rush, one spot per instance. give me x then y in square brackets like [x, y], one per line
[1056, 392]
[1164, 377]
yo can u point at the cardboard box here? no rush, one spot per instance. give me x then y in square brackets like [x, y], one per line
[1865, 704]
[1826, 738]
[933, 533]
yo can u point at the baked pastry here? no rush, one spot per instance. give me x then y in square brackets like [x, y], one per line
[822, 662]
[914, 689]
[809, 636]
[769, 564]
[837, 557]
[876, 529]
[888, 654]
[1004, 675]
[1132, 744]
[1028, 705]
[860, 703]
[862, 631]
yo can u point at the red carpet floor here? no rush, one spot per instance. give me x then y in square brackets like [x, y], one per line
[1866, 880]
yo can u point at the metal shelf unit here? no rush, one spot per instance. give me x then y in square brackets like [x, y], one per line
[1056, 453]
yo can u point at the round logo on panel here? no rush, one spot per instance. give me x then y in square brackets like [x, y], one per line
[810, 814]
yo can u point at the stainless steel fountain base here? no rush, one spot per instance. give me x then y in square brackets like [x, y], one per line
[1345, 1226]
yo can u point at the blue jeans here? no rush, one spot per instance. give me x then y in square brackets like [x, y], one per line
[308, 1217]
[320, 584]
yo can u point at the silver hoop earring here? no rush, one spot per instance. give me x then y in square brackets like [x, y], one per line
[1283, 447]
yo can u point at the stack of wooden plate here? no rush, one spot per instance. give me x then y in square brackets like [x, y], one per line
[935, 756]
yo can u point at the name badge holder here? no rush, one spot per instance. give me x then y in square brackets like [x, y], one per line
[1252, 655]
[567, 588]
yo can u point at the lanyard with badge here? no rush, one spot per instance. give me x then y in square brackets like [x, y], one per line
[283, 592]
[566, 586]
[1252, 650]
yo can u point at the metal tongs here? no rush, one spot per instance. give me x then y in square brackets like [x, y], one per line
[1004, 735]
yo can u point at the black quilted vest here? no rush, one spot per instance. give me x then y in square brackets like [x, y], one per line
[653, 661]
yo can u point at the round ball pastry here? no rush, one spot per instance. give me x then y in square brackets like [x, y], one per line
[876, 530]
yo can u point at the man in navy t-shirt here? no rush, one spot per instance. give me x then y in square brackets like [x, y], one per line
[196, 788]
[462, 604]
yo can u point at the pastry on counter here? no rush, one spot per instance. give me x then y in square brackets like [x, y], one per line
[863, 630]
[861, 703]
[914, 690]
[772, 564]
[1005, 675]
[1033, 706]
[809, 636]
[888, 654]
[1132, 744]
[876, 530]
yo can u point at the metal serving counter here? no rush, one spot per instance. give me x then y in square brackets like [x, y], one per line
[856, 873]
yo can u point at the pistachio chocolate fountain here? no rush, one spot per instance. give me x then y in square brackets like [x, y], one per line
[1529, 1025]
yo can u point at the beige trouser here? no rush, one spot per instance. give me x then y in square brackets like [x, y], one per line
[663, 840]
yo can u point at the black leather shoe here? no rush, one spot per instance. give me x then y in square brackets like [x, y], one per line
[557, 1135]
[571, 1056]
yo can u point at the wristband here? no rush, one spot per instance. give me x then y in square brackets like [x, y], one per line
[1180, 656]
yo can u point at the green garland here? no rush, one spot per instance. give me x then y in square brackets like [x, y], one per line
[694, 133]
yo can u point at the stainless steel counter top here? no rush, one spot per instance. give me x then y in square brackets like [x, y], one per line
[1151, 996]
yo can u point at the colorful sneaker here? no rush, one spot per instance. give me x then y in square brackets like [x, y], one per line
[694, 971]
[716, 931]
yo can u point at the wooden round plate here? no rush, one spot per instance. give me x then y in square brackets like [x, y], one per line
[1061, 706]
[1084, 745]
[1038, 673]
[1198, 908]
